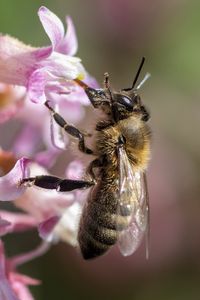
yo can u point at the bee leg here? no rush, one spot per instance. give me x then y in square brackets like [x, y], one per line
[70, 129]
[106, 80]
[96, 163]
[67, 185]
[115, 113]
[101, 125]
[56, 183]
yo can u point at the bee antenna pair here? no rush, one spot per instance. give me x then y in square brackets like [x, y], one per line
[138, 72]
[136, 77]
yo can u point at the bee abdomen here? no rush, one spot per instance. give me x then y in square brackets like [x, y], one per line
[108, 216]
[90, 247]
[99, 230]
[100, 233]
[94, 239]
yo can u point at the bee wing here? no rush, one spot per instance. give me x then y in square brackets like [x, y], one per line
[133, 206]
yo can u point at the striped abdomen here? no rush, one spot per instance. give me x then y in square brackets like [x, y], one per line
[100, 221]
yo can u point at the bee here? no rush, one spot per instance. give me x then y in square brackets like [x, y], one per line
[117, 208]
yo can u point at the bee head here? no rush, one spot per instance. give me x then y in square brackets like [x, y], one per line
[128, 103]
[128, 100]
[118, 104]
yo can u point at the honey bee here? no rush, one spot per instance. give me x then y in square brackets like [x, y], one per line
[117, 208]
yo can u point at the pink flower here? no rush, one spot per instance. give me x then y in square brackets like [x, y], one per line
[13, 286]
[43, 71]
[46, 73]
[9, 183]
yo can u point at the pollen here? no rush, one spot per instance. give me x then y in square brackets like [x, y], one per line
[81, 76]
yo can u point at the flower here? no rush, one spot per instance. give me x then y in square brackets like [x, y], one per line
[13, 286]
[46, 73]
[38, 74]
[9, 183]
[46, 70]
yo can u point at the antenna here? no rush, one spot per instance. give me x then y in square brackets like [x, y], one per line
[146, 77]
[138, 72]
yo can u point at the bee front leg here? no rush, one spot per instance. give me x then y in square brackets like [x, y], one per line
[70, 129]
[56, 183]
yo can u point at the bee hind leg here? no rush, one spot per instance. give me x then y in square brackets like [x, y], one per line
[56, 183]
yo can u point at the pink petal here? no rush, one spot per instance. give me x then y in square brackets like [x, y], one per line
[47, 158]
[17, 221]
[9, 184]
[36, 86]
[52, 26]
[23, 258]
[4, 225]
[27, 141]
[72, 111]
[75, 170]
[67, 227]
[69, 43]
[62, 67]
[19, 285]
[9, 113]
[91, 81]
[78, 97]
[16, 60]
[45, 228]
[2, 261]
[26, 280]
[22, 291]
[50, 202]
[42, 53]
[6, 292]
[57, 138]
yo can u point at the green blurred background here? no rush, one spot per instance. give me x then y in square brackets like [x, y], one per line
[113, 36]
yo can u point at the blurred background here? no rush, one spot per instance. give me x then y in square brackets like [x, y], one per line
[113, 36]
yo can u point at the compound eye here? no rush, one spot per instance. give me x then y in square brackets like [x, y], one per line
[125, 101]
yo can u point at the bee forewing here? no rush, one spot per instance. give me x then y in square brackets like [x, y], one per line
[133, 206]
